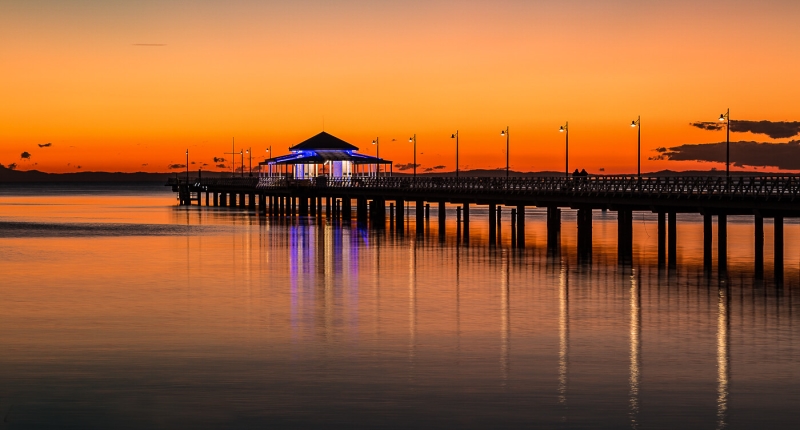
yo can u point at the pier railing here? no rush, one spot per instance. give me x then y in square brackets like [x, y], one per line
[772, 187]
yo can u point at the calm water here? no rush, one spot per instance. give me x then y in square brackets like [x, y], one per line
[121, 309]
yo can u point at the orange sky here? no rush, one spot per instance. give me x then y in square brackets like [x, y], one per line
[75, 74]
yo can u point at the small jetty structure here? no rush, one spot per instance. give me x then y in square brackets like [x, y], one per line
[319, 158]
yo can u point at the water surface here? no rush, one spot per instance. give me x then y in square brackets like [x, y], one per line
[121, 309]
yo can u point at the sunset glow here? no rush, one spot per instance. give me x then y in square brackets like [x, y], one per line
[129, 86]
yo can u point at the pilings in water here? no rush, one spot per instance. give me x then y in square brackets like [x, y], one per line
[466, 223]
[419, 213]
[520, 226]
[585, 233]
[400, 223]
[553, 228]
[722, 243]
[442, 220]
[624, 236]
[778, 248]
[672, 239]
[492, 225]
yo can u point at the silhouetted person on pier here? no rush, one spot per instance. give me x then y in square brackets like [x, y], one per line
[576, 173]
[583, 173]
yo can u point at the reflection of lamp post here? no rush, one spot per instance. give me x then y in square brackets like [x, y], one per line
[638, 123]
[455, 136]
[727, 118]
[505, 133]
[565, 129]
[414, 139]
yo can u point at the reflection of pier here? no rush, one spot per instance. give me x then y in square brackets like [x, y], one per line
[760, 197]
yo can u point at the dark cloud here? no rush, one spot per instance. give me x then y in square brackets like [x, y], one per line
[45, 145]
[439, 167]
[775, 130]
[12, 166]
[428, 169]
[402, 167]
[78, 167]
[219, 160]
[784, 156]
[26, 155]
[205, 164]
[144, 165]
[176, 166]
[221, 166]
[193, 162]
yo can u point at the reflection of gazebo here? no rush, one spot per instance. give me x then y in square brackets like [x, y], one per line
[323, 155]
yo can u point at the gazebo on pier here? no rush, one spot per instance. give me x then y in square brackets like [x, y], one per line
[323, 155]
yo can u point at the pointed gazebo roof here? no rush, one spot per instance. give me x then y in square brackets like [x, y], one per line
[323, 141]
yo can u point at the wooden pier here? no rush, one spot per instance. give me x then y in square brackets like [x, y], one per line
[775, 197]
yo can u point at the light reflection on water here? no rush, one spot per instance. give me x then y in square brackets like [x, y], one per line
[249, 321]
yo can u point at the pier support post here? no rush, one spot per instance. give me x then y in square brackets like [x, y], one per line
[252, 202]
[672, 240]
[241, 200]
[216, 199]
[513, 228]
[391, 215]
[303, 206]
[400, 211]
[521, 226]
[759, 246]
[778, 245]
[319, 207]
[427, 212]
[361, 211]
[553, 227]
[207, 199]
[312, 206]
[223, 199]
[662, 239]
[466, 223]
[492, 225]
[707, 234]
[722, 243]
[419, 213]
[347, 209]
[262, 204]
[499, 225]
[584, 233]
[442, 220]
[624, 236]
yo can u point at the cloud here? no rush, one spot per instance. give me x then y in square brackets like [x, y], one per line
[144, 165]
[775, 130]
[402, 167]
[784, 156]
[12, 166]
[78, 167]
[205, 164]
[221, 166]
[176, 166]
[428, 169]
[45, 145]
[193, 162]
[439, 167]
[149, 44]
[219, 160]
[26, 155]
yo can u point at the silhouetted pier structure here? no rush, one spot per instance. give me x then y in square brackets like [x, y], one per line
[762, 197]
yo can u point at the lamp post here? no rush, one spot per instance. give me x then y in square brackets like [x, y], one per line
[455, 136]
[377, 143]
[638, 123]
[727, 118]
[187, 165]
[250, 153]
[505, 133]
[414, 139]
[565, 129]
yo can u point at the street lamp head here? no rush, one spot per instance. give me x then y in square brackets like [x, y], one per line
[722, 117]
[502, 132]
[633, 123]
[453, 136]
[410, 139]
[561, 130]
[374, 142]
